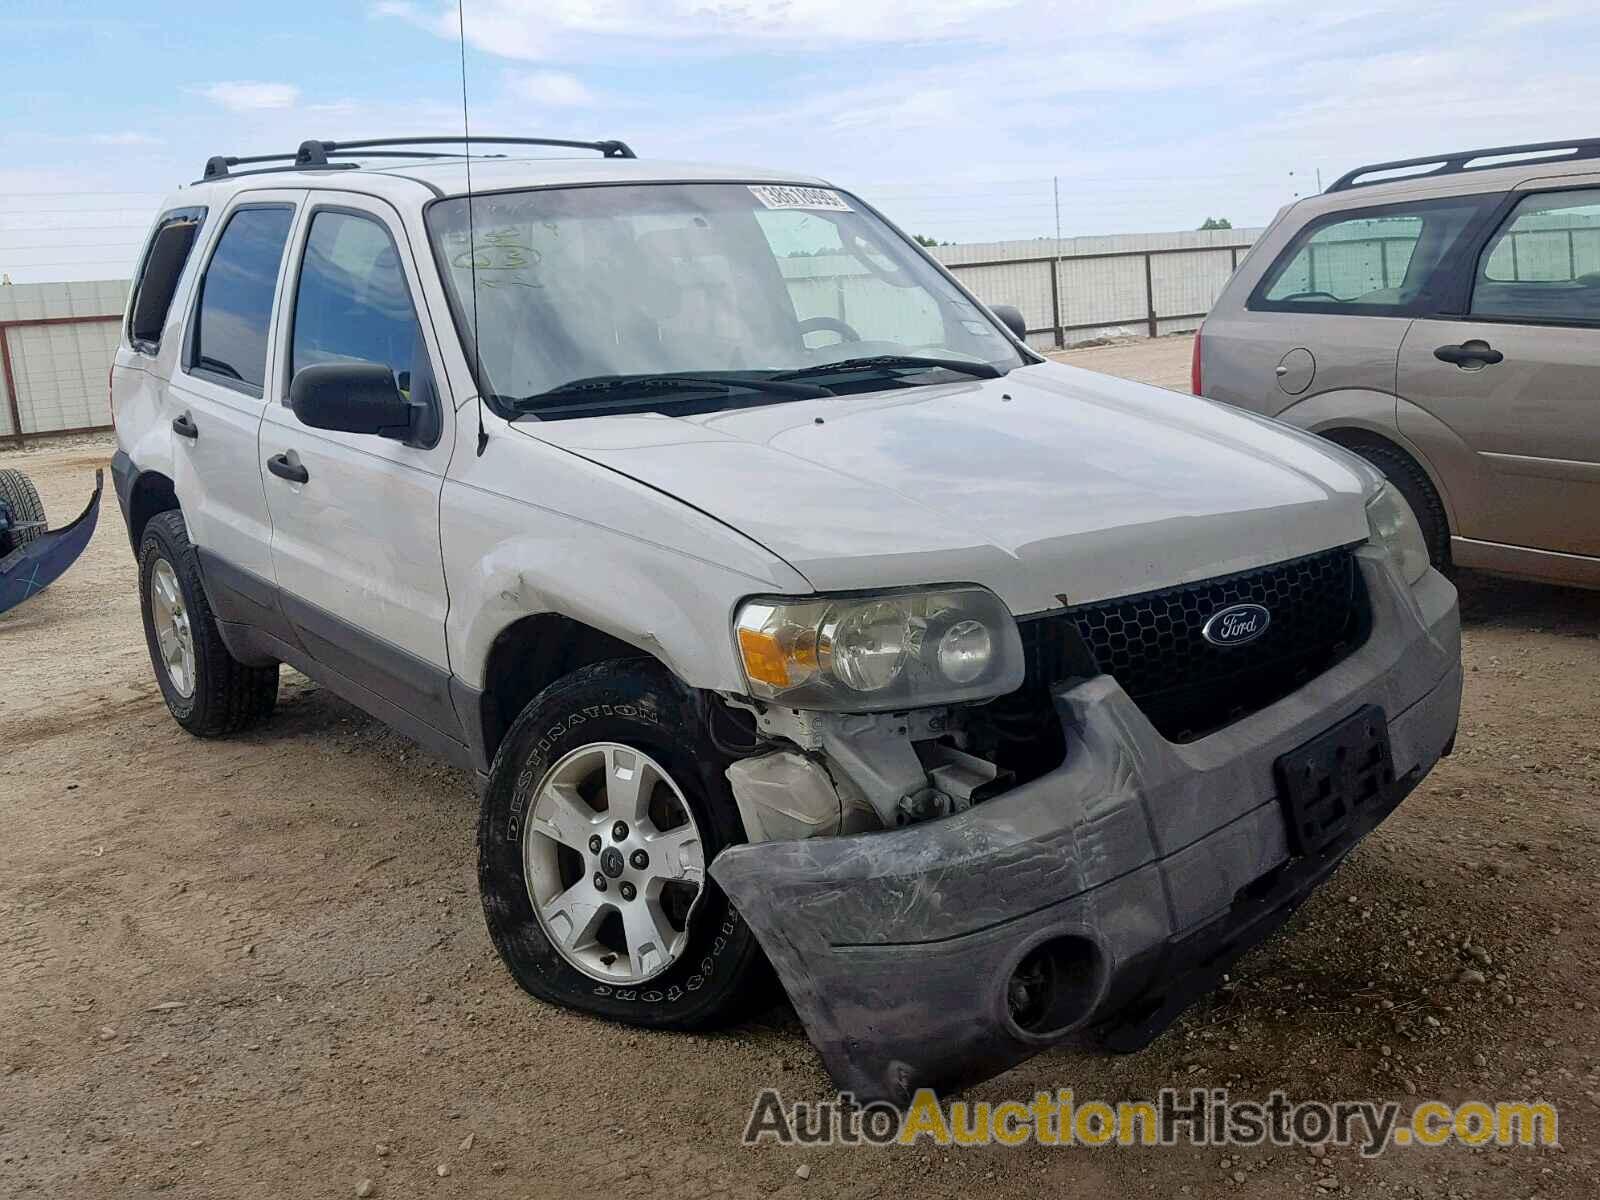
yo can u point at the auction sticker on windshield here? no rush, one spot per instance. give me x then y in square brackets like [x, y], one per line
[787, 196]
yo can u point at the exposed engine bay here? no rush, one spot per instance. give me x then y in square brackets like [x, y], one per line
[818, 774]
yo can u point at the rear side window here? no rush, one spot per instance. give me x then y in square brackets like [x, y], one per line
[235, 306]
[352, 303]
[1378, 261]
[1543, 264]
[158, 276]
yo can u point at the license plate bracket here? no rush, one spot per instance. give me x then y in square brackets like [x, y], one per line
[1328, 783]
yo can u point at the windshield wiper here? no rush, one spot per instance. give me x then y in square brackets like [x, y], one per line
[894, 362]
[573, 394]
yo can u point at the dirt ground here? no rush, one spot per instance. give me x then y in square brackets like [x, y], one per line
[258, 967]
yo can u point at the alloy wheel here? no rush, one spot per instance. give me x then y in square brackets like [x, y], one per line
[614, 862]
[174, 635]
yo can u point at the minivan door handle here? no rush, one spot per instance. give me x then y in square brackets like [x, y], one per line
[184, 426]
[1470, 355]
[288, 468]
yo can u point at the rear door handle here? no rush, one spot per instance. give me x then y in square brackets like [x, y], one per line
[1470, 355]
[287, 466]
[184, 426]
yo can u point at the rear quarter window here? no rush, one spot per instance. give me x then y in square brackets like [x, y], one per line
[157, 280]
[1381, 261]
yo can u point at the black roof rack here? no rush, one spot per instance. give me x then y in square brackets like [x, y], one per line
[314, 155]
[1454, 164]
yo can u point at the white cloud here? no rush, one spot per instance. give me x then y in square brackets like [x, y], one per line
[553, 89]
[1151, 115]
[249, 95]
[541, 30]
[128, 137]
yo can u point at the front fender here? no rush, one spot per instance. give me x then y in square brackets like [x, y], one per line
[506, 559]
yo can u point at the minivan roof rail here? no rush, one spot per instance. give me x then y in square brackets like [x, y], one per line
[1453, 164]
[315, 154]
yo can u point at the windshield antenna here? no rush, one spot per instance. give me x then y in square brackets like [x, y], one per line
[472, 241]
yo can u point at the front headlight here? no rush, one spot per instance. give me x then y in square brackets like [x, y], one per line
[872, 653]
[1394, 526]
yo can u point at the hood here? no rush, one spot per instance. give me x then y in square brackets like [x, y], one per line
[1050, 486]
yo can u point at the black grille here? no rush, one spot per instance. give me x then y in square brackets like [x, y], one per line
[1152, 645]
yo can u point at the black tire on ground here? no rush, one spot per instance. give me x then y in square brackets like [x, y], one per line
[227, 696]
[22, 498]
[1400, 469]
[721, 974]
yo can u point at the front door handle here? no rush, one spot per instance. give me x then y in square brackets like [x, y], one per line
[1470, 355]
[287, 466]
[184, 426]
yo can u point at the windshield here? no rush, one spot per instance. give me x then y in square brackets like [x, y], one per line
[617, 286]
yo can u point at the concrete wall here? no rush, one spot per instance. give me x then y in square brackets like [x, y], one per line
[60, 368]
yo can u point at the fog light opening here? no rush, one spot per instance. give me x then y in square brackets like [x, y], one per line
[1054, 986]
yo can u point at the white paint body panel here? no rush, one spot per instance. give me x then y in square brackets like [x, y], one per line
[360, 539]
[532, 528]
[217, 476]
[1077, 484]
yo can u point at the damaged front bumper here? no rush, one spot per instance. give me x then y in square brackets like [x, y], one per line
[1122, 884]
[35, 565]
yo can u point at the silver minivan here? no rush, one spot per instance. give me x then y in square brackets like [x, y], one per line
[1440, 316]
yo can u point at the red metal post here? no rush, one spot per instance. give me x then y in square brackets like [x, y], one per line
[11, 384]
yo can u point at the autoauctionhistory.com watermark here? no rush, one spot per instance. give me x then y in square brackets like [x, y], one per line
[1205, 1117]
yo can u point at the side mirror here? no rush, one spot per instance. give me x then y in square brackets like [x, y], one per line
[1011, 317]
[352, 397]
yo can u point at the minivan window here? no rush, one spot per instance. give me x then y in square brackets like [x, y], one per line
[564, 293]
[352, 303]
[158, 276]
[235, 306]
[1543, 264]
[1375, 261]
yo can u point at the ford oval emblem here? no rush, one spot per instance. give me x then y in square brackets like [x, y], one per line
[1236, 625]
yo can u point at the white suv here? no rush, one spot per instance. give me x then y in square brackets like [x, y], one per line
[793, 611]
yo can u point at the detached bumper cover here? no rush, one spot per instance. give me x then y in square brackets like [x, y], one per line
[31, 568]
[896, 948]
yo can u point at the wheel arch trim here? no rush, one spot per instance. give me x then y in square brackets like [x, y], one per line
[525, 656]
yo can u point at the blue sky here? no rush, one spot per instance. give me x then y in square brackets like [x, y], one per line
[954, 115]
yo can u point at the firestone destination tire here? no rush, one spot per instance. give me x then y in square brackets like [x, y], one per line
[605, 805]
